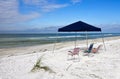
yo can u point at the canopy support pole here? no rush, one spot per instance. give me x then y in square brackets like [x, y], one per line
[87, 39]
[55, 43]
[103, 41]
[75, 39]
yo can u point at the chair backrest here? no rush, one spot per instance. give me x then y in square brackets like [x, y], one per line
[98, 48]
[76, 50]
[90, 47]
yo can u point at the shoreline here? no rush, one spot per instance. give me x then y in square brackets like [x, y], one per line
[48, 47]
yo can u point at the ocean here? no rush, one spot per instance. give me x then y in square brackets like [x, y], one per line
[19, 40]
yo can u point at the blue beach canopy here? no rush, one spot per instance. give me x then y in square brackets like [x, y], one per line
[78, 26]
[81, 27]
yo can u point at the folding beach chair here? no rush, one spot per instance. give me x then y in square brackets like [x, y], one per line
[95, 50]
[89, 49]
[74, 52]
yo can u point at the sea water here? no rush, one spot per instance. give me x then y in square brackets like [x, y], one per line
[17, 40]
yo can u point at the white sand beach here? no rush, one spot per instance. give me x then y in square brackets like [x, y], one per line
[20, 62]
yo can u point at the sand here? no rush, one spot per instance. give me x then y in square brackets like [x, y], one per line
[17, 63]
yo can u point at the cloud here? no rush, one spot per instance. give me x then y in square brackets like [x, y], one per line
[45, 5]
[110, 28]
[51, 7]
[9, 12]
[14, 26]
[36, 2]
[9, 9]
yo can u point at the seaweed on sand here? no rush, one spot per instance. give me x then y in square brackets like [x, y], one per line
[38, 66]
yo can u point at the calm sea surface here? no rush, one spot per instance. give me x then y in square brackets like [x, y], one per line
[16, 40]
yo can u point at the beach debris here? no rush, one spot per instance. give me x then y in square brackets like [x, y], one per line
[38, 66]
[34, 51]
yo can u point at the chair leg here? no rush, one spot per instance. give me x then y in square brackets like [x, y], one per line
[74, 56]
[67, 57]
[78, 57]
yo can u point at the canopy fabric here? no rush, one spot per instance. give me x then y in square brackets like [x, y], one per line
[78, 26]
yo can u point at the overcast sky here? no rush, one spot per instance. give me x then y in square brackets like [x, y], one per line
[16, 15]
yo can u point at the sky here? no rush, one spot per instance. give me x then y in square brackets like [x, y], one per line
[22, 15]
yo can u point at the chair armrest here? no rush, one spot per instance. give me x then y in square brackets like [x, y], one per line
[70, 51]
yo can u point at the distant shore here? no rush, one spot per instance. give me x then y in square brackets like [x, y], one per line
[48, 47]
